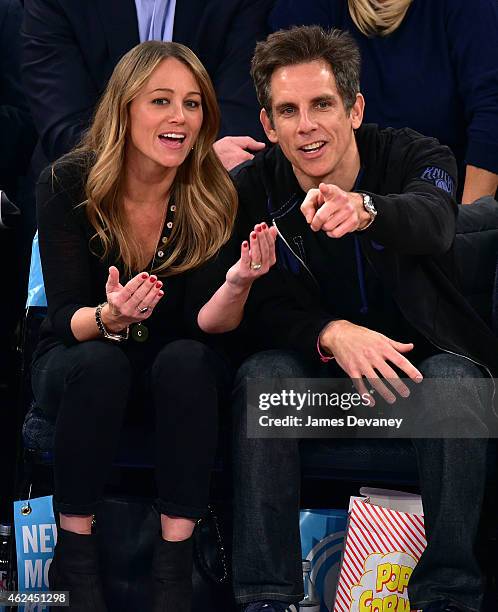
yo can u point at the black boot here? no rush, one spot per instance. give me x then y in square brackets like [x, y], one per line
[172, 576]
[75, 569]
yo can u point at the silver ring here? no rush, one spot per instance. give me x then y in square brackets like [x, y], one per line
[255, 266]
[143, 310]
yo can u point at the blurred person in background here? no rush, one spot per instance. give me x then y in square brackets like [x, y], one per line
[17, 134]
[431, 65]
[17, 139]
[70, 49]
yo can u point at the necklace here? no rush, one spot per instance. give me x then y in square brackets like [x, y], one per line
[139, 331]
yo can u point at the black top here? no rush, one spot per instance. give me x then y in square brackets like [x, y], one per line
[412, 181]
[75, 276]
[350, 287]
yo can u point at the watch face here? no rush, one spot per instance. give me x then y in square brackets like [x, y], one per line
[369, 205]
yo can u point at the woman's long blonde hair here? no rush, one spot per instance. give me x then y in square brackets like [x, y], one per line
[378, 17]
[205, 197]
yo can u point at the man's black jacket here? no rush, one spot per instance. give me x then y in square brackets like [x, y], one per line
[410, 245]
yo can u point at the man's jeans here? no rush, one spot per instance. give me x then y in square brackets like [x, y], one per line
[267, 551]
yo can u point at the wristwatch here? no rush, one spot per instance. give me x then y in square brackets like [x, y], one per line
[368, 205]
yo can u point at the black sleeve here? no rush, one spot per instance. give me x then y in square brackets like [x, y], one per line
[59, 89]
[204, 281]
[64, 248]
[17, 133]
[421, 218]
[281, 311]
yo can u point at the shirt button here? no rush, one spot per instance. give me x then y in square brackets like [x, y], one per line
[173, 208]
[164, 240]
[169, 225]
[160, 253]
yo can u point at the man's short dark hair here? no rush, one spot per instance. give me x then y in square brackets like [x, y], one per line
[303, 44]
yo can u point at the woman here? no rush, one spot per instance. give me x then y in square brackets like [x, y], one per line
[431, 65]
[125, 222]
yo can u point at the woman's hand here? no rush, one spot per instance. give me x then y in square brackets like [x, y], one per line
[224, 311]
[132, 302]
[256, 257]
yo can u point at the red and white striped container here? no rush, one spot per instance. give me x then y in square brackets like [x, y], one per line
[383, 546]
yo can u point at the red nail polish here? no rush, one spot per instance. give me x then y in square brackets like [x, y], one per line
[263, 225]
[259, 228]
[245, 244]
[145, 275]
[161, 293]
[159, 285]
[253, 235]
[152, 279]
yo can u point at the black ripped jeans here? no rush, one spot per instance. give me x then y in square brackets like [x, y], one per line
[87, 389]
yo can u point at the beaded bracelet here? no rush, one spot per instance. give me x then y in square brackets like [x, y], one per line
[107, 335]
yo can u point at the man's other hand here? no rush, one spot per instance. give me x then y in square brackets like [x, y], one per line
[233, 150]
[334, 211]
[362, 352]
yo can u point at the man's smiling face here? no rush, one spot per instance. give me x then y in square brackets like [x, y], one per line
[311, 125]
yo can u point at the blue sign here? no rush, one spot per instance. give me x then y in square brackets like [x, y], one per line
[36, 288]
[36, 536]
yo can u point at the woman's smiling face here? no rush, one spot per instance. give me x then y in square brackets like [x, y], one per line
[165, 117]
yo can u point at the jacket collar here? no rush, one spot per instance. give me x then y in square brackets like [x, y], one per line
[281, 185]
[282, 189]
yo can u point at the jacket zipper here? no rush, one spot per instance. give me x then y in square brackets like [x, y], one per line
[294, 253]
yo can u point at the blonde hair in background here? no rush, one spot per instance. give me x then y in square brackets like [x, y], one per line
[205, 198]
[378, 17]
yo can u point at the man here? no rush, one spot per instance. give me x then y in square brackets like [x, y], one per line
[361, 212]
[71, 48]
